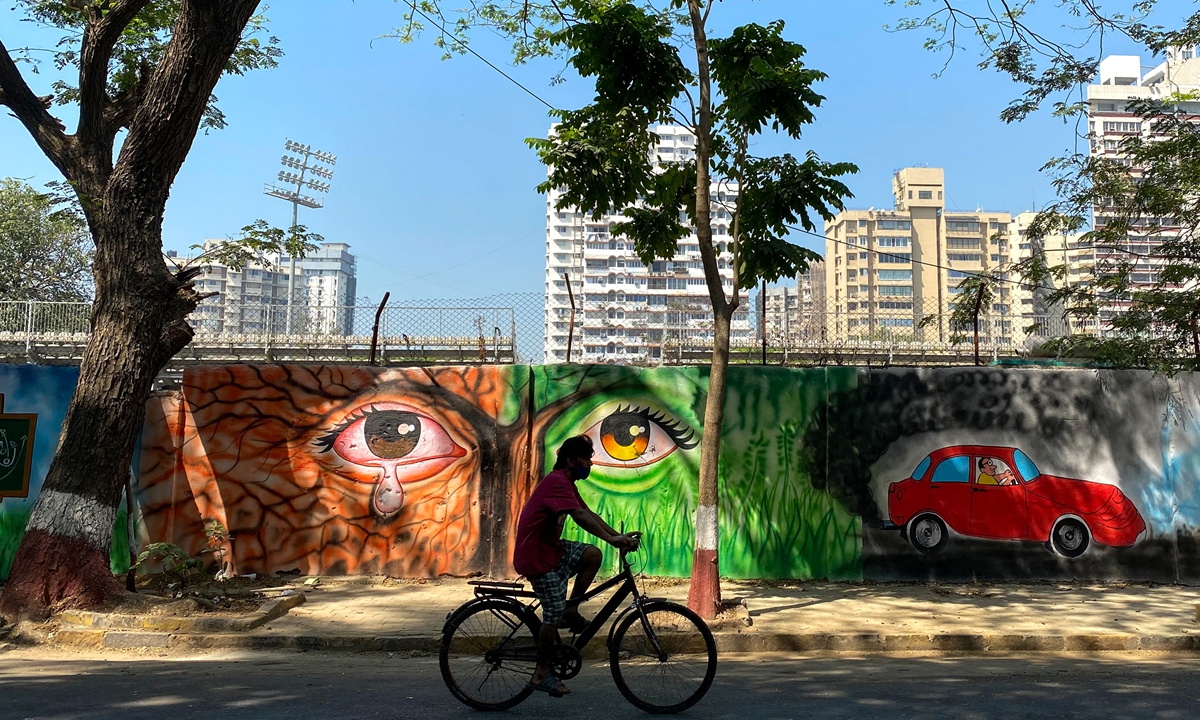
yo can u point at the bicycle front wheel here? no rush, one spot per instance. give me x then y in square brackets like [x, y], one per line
[665, 663]
[488, 654]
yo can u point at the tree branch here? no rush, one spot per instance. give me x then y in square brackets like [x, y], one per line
[99, 38]
[205, 36]
[119, 111]
[31, 111]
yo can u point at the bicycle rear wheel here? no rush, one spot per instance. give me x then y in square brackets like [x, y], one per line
[665, 664]
[488, 654]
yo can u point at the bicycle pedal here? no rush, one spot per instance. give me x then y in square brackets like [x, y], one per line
[556, 695]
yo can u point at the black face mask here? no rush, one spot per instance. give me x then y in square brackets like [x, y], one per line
[580, 472]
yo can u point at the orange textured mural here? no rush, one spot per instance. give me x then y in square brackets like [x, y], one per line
[329, 470]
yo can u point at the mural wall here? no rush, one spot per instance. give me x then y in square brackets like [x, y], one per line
[331, 470]
[421, 472]
[843, 473]
[1012, 473]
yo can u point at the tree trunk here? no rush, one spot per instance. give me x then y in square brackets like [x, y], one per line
[63, 559]
[704, 595]
[978, 309]
[139, 316]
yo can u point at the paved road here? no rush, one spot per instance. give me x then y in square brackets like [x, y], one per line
[297, 686]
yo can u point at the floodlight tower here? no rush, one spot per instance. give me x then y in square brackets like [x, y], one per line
[305, 161]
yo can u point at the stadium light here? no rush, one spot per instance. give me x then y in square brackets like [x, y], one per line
[308, 162]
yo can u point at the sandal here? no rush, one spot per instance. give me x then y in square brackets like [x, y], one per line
[573, 621]
[550, 685]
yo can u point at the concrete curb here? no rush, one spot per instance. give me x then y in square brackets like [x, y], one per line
[732, 643]
[78, 620]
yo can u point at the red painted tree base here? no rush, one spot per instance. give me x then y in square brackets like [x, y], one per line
[53, 572]
[704, 595]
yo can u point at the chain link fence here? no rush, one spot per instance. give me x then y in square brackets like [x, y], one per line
[629, 328]
[513, 328]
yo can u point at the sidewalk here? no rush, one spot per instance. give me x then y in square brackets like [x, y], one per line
[384, 614]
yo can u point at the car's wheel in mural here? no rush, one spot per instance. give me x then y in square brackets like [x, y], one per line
[928, 534]
[1070, 538]
[488, 654]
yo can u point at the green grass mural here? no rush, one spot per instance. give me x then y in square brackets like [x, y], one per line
[12, 529]
[645, 425]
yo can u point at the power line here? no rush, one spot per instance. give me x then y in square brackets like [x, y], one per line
[463, 44]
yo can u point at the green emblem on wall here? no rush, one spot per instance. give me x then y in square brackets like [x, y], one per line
[16, 452]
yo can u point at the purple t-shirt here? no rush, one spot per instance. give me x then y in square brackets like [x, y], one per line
[539, 531]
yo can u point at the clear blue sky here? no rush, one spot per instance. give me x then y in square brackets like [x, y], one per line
[434, 187]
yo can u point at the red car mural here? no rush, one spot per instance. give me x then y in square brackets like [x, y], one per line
[998, 493]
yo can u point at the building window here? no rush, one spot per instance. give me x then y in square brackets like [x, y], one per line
[862, 223]
[895, 259]
[895, 290]
[965, 257]
[925, 195]
[892, 242]
[1132, 127]
[962, 242]
[970, 226]
[895, 225]
[895, 274]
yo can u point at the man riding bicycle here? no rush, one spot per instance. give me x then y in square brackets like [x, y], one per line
[548, 561]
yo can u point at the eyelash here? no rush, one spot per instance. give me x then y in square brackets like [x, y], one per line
[326, 441]
[675, 429]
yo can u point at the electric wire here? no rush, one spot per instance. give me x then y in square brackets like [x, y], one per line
[463, 44]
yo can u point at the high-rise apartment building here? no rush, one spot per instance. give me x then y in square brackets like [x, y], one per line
[328, 287]
[1032, 303]
[1110, 119]
[886, 271]
[625, 311]
[794, 316]
[254, 300]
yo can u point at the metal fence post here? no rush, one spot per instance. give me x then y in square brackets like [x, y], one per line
[29, 332]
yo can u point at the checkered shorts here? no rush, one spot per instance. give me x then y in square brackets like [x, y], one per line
[551, 588]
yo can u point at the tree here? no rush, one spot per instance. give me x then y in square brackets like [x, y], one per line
[602, 158]
[975, 294]
[142, 71]
[1138, 210]
[45, 250]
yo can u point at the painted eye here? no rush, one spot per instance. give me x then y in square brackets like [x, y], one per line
[407, 445]
[635, 437]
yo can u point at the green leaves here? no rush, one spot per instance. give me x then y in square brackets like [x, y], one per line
[257, 241]
[624, 47]
[656, 228]
[763, 80]
[139, 49]
[598, 160]
[45, 248]
[777, 194]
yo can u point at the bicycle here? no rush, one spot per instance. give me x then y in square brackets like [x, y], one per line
[662, 655]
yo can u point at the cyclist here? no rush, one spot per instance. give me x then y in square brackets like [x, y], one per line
[548, 561]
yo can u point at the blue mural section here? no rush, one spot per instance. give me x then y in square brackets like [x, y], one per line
[45, 391]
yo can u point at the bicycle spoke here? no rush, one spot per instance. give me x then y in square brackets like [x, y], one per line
[663, 660]
[488, 657]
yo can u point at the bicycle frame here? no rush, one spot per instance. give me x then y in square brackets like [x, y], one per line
[627, 586]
